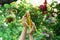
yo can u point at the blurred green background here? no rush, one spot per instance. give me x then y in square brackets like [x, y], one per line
[46, 18]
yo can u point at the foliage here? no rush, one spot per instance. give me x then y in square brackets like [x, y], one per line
[47, 25]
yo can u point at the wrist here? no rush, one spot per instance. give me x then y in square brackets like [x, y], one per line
[25, 27]
[30, 34]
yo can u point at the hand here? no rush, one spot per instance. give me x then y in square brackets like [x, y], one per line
[24, 21]
[32, 29]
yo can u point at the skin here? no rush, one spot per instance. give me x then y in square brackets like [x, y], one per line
[31, 31]
[24, 31]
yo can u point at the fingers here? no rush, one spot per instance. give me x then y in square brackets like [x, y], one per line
[25, 14]
[33, 25]
[24, 20]
[24, 24]
[32, 29]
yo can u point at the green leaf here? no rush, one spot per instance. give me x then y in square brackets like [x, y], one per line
[6, 6]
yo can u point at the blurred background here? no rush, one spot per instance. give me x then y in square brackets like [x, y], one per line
[45, 14]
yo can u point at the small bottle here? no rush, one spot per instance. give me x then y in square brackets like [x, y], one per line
[29, 21]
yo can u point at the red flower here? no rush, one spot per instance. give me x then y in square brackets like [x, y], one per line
[41, 7]
[44, 6]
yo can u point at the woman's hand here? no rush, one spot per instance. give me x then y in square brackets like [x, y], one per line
[24, 31]
[24, 21]
[32, 29]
